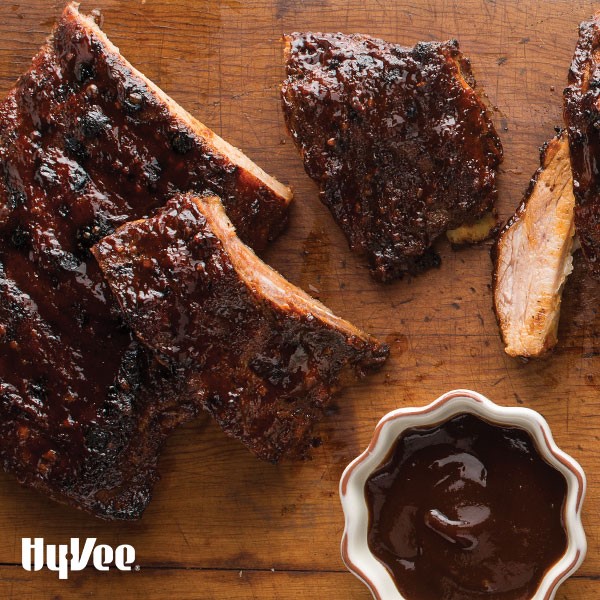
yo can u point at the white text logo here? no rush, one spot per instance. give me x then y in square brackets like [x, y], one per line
[56, 558]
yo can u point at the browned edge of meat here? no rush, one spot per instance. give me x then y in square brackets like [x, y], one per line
[582, 118]
[532, 256]
[283, 295]
[262, 193]
[264, 356]
[482, 227]
[394, 172]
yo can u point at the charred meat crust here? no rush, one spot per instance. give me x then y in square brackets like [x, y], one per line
[87, 143]
[537, 330]
[398, 140]
[263, 357]
[582, 116]
[99, 457]
[98, 125]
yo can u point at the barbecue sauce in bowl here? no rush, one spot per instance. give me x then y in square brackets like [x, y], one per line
[466, 510]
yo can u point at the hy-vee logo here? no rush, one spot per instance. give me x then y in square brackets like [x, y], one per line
[68, 557]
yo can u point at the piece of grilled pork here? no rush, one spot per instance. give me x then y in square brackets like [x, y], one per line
[263, 357]
[84, 121]
[532, 256]
[398, 140]
[86, 144]
[582, 117]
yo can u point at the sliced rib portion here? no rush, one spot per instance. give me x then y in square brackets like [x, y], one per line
[263, 356]
[397, 138]
[533, 256]
[87, 143]
[582, 116]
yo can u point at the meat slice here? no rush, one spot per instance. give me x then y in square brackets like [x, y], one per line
[582, 116]
[397, 138]
[87, 143]
[533, 256]
[263, 356]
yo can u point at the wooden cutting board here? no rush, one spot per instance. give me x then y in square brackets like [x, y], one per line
[222, 524]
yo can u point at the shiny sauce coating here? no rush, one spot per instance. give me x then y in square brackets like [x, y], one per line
[264, 368]
[397, 138]
[466, 510]
[87, 144]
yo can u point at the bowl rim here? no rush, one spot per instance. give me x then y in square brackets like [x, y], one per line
[354, 547]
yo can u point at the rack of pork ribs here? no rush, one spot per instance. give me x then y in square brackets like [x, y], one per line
[132, 298]
[101, 359]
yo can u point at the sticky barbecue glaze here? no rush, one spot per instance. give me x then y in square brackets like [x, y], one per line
[85, 144]
[263, 357]
[397, 139]
[466, 510]
[582, 116]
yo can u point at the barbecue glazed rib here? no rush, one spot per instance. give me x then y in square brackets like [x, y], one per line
[81, 420]
[582, 116]
[87, 143]
[84, 119]
[533, 256]
[263, 356]
[398, 140]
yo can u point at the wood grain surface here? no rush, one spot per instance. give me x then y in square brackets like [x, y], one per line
[222, 524]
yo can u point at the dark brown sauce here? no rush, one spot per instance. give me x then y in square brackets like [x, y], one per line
[466, 510]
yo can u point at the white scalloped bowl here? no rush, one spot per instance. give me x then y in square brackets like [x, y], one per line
[355, 549]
